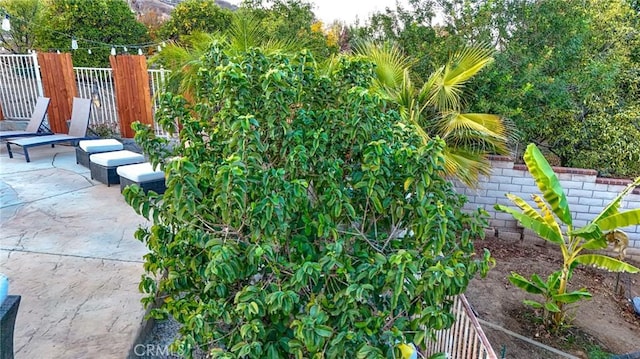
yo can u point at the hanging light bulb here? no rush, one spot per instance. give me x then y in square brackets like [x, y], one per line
[113, 51]
[125, 49]
[159, 48]
[6, 25]
[58, 52]
[140, 51]
[89, 51]
[164, 44]
[74, 43]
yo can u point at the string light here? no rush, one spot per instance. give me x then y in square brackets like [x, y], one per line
[6, 24]
[75, 41]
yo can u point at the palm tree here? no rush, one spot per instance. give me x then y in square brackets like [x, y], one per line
[436, 107]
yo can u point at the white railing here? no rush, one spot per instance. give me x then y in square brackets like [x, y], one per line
[158, 81]
[20, 85]
[97, 85]
[465, 339]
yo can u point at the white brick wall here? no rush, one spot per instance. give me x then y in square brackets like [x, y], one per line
[587, 196]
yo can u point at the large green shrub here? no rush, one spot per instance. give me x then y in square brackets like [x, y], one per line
[302, 218]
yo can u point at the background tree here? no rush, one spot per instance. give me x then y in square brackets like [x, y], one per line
[195, 16]
[411, 29]
[302, 217]
[96, 24]
[153, 21]
[26, 17]
[283, 20]
[566, 75]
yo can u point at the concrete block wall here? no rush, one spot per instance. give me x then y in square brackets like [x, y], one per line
[587, 195]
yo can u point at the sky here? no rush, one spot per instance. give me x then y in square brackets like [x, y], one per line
[347, 10]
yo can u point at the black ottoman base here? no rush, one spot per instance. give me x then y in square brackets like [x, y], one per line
[106, 175]
[158, 186]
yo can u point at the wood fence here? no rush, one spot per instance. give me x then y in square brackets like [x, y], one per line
[59, 82]
[131, 80]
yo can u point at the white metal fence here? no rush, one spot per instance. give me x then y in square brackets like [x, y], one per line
[21, 84]
[465, 339]
[157, 79]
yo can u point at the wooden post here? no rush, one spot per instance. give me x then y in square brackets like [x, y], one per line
[1, 114]
[133, 95]
[59, 82]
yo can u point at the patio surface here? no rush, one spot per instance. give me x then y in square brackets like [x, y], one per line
[67, 246]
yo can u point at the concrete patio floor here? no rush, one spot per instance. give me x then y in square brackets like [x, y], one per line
[67, 246]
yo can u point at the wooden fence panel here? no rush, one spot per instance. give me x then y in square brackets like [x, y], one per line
[133, 95]
[59, 83]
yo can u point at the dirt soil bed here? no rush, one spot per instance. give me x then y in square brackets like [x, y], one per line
[606, 321]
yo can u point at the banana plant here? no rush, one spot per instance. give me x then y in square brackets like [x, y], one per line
[552, 221]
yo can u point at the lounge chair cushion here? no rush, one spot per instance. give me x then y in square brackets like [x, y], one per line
[117, 158]
[37, 140]
[106, 145]
[141, 172]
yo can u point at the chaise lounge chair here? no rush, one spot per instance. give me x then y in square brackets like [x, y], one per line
[35, 123]
[77, 130]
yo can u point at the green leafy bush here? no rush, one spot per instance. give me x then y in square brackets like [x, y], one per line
[302, 218]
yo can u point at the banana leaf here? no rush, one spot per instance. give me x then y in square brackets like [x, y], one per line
[572, 297]
[533, 304]
[614, 205]
[548, 183]
[523, 283]
[596, 243]
[618, 220]
[590, 231]
[606, 262]
[542, 229]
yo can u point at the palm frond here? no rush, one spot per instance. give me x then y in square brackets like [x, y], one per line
[448, 84]
[487, 124]
[246, 32]
[467, 63]
[392, 65]
[467, 166]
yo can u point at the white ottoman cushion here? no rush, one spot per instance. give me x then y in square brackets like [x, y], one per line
[92, 146]
[117, 158]
[141, 172]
